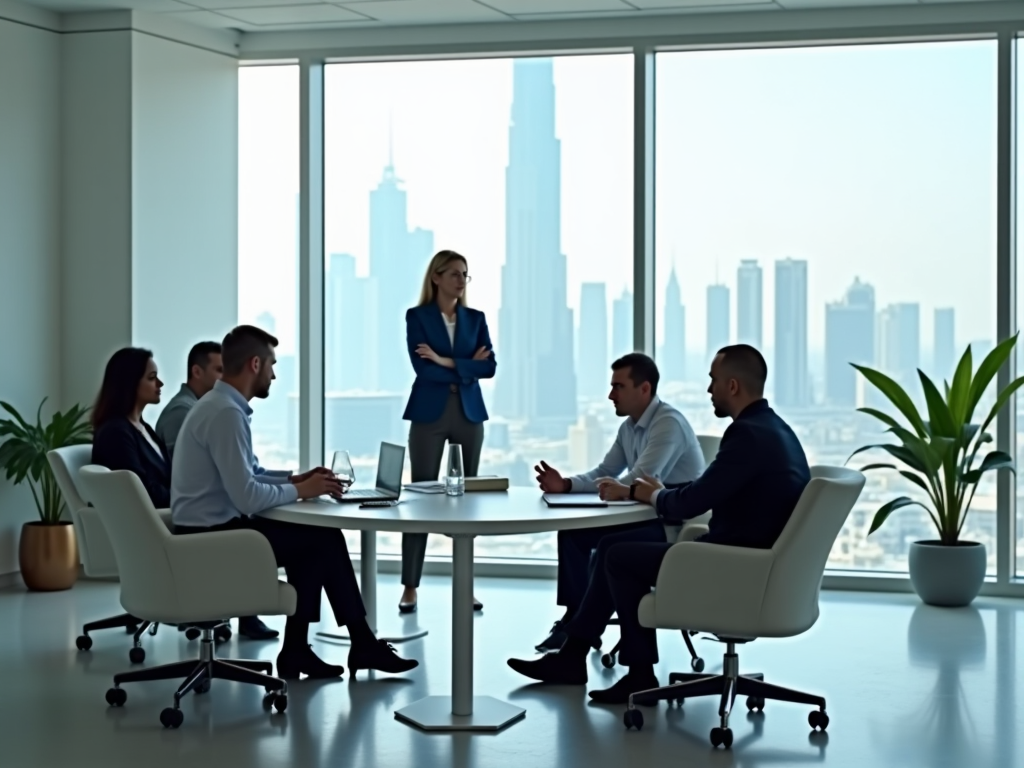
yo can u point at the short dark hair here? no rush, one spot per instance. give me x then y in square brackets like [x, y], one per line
[120, 388]
[242, 344]
[641, 369]
[200, 355]
[745, 363]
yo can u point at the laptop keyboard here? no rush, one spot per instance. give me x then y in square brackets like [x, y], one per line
[365, 493]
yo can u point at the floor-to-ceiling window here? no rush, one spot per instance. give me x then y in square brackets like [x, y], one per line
[268, 205]
[522, 165]
[830, 205]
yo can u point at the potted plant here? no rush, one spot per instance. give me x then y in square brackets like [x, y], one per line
[47, 552]
[939, 454]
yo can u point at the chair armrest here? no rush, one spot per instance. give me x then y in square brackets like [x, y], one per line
[691, 532]
[165, 517]
[710, 588]
[225, 573]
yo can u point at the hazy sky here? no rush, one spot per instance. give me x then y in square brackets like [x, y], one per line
[870, 161]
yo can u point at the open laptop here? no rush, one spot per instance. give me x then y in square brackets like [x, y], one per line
[389, 477]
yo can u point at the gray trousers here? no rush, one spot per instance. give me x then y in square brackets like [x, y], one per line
[426, 450]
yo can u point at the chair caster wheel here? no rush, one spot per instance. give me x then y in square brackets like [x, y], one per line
[818, 720]
[721, 737]
[222, 634]
[116, 697]
[171, 718]
[633, 718]
[755, 704]
[83, 642]
[192, 633]
[203, 687]
[137, 655]
[278, 701]
[697, 665]
[608, 661]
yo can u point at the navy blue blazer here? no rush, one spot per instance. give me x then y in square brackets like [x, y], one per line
[752, 485]
[434, 383]
[118, 445]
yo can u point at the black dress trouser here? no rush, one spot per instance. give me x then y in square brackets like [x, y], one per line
[313, 558]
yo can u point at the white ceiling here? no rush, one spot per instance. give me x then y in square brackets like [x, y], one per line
[267, 15]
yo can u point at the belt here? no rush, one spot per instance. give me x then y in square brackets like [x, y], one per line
[454, 388]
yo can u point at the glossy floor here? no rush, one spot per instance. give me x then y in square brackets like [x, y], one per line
[907, 686]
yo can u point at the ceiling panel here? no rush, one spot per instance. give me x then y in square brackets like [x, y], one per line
[84, 6]
[708, 6]
[214, 5]
[799, 5]
[295, 14]
[523, 7]
[426, 11]
[208, 19]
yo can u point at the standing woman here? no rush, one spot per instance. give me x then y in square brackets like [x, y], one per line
[121, 439]
[450, 350]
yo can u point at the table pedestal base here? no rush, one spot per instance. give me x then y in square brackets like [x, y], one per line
[394, 640]
[434, 713]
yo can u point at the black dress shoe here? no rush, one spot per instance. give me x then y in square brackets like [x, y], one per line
[407, 607]
[379, 655]
[302, 661]
[477, 605]
[555, 639]
[557, 668]
[253, 628]
[624, 688]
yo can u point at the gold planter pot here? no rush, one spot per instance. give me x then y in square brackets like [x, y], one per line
[48, 555]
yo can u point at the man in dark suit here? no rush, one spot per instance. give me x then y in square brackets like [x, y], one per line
[751, 488]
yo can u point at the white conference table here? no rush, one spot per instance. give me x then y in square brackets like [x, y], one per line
[463, 518]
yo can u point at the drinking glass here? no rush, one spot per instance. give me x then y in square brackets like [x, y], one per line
[342, 468]
[455, 478]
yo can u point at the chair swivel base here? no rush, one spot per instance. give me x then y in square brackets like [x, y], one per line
[198, 674]
[728, 685]
[131, 624]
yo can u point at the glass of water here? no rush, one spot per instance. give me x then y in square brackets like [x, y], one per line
[455, 478]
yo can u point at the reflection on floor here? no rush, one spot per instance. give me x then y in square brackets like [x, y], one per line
[907, 686]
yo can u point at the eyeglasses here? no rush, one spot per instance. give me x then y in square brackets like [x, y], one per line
[464, 275]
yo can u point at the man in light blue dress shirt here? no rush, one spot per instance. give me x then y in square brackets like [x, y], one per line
[655, 440]
[216, 485]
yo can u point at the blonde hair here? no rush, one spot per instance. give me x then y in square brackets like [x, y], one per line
[438, 264]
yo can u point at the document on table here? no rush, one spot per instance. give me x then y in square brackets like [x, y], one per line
[425, 486]
[581, 500]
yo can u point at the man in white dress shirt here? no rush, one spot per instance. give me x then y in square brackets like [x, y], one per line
[655, 440]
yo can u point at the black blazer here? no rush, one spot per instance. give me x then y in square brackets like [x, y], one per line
[118, 445]
[752, 485]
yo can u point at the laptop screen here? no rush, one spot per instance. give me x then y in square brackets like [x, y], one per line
[389, 467]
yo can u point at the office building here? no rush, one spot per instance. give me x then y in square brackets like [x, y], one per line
[749, 314]
[791, 375]
[351, 345]
[944, 352]
[622, 325]
[534, 321]
[718, 334]
[899, 343]
[849, 339]
[587, 444]
[672, 357]
[592, 349]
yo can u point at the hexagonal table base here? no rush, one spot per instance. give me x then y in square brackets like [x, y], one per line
[434, 713]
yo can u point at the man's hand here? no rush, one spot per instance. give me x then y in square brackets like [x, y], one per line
[610, 489]
[550, 480]
[296, 479]
[645, 488]
[482, 354]
[319, 484]
[424, 351]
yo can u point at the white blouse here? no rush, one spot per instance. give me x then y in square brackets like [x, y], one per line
[450, 325]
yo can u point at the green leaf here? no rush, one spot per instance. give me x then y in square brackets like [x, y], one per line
[959, 391]
[986, 372]
[887, 509]
[917, 480]
[885, 418]
[896, 395]
[869, 467]
[994, 460]
[940, 419]
[1001, 401]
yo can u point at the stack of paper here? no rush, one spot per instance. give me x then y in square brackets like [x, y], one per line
[425, 486]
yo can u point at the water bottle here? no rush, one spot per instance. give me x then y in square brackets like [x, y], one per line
[455, 479]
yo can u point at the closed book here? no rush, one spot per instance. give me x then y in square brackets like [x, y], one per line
[487, 483]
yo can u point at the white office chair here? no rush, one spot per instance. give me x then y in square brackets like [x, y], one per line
[93, 545]
[197, 581]
[749, 593]
[689, 531]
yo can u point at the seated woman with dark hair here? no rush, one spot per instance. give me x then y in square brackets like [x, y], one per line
[121, 439]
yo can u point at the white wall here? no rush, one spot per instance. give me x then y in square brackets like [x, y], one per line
[184, 200]
[30, 309]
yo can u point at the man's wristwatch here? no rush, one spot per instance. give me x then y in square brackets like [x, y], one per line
[632, 491]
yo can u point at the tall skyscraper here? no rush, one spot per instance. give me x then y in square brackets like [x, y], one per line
[592, 350]
[849, 338]
[672, 360]
[944, 357]
[587, 444]
[398, 259]
[622, 325]
[749, 311]
[899, 343]
[351, 360]
[791, 375]
[536, 329]
[718, 332]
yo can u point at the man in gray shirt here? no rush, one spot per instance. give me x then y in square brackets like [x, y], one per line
[205, 368]
[655, 440]
[217, 485]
